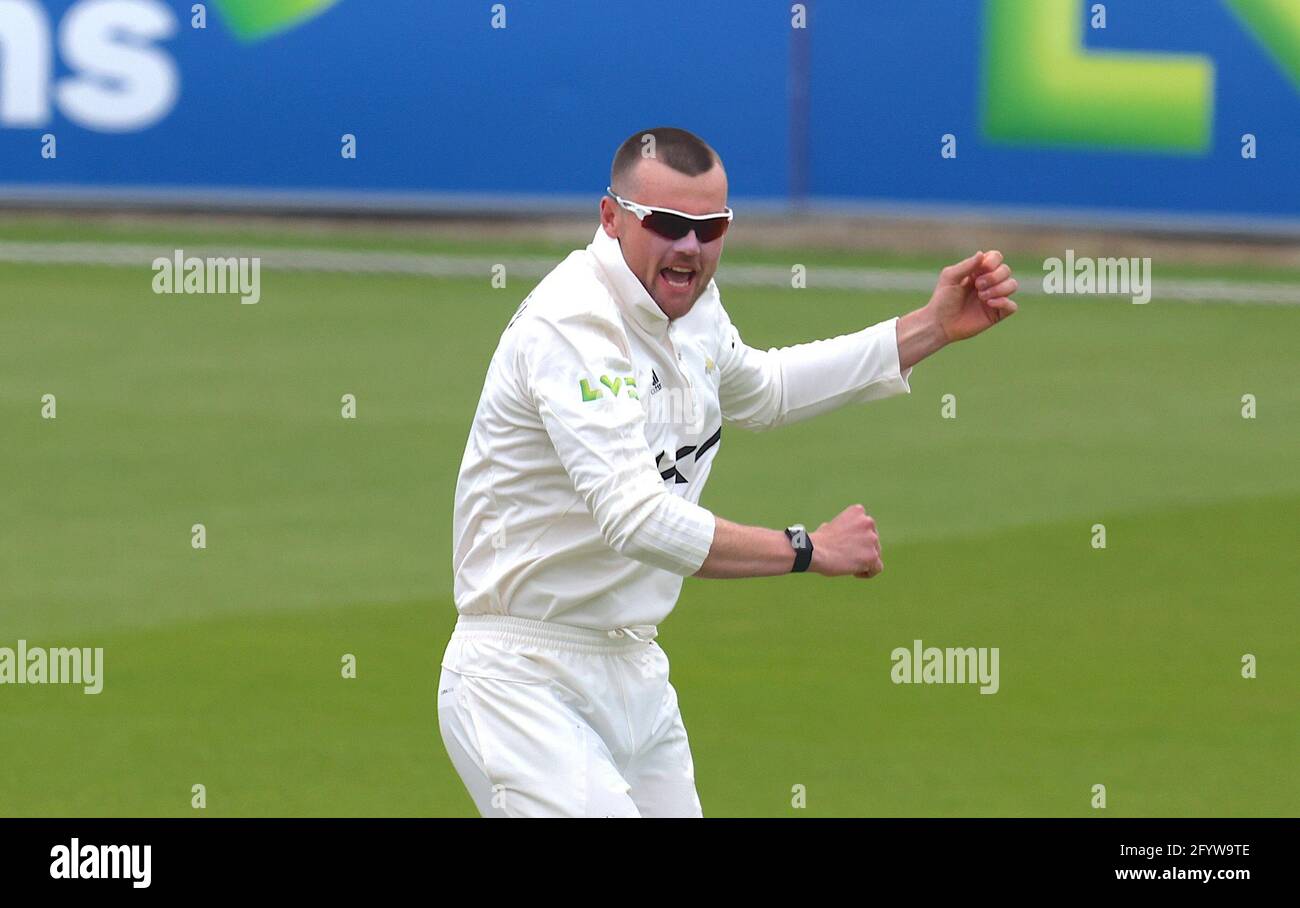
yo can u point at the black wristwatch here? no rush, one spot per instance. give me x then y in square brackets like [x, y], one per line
[801, 541]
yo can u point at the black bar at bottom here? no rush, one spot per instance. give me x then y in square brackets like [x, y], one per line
[335, 857]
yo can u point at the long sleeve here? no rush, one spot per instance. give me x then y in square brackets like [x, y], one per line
[763, 389]
[581, 383]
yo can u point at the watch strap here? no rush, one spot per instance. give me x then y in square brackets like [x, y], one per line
[801, 541]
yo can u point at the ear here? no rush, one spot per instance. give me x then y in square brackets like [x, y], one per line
[609, 217]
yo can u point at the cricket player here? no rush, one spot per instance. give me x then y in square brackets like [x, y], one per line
[577, 509]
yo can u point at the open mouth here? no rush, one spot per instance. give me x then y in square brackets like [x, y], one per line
[680, 278]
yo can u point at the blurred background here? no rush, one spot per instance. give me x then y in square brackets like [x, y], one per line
[405, 172]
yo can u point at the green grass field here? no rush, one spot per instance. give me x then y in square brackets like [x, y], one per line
[328, 536]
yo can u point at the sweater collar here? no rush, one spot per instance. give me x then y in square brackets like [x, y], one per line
[627, 288]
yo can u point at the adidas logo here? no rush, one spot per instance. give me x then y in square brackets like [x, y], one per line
[655, 385]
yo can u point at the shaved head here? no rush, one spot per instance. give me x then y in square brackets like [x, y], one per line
[679, 150]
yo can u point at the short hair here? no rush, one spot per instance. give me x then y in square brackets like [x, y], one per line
[683, 151]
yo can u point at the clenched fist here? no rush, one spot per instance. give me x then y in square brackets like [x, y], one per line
[973, 295]
[847, 544]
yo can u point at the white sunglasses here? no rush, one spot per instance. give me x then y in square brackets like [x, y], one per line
[673, 225]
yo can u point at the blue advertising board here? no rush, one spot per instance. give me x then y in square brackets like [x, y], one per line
[1186, 110]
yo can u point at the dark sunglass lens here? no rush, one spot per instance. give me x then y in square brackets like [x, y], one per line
[708, 231]
[672, 227]
[668, 226]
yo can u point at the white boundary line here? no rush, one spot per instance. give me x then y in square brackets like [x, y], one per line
[830, 277]
[205, 198]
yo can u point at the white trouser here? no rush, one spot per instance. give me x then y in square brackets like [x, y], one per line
[542, 720]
